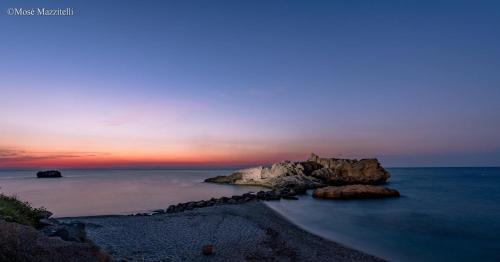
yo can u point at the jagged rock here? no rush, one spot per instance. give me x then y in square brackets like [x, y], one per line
[348, 171]
[48, 174]
[171, 209]
[310, 166]
[354, 192]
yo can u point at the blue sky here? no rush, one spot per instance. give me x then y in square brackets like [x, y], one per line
[414, 83]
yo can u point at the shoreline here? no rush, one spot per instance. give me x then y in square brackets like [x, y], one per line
[238, 232]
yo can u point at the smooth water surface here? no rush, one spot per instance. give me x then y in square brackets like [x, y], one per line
[444, 214]
[107, 192]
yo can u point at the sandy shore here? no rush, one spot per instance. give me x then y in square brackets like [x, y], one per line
[243, 232]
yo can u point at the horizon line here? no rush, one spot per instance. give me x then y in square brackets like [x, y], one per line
[213, 168]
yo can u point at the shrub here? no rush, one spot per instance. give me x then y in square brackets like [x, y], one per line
[14, 210]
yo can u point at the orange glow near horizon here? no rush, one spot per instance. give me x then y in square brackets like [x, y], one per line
[21, 159]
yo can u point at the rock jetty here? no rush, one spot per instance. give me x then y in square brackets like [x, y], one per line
[276, 194]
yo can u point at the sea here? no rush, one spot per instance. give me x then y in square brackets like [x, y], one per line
[443, 214]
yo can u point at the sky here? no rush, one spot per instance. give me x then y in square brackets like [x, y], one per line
[240, 83]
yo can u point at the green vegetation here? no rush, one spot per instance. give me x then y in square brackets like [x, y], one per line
[14, 210]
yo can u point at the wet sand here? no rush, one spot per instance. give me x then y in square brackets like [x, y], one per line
[240, 232]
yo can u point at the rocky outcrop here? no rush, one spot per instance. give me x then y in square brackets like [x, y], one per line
[24, 243]
[48, 174]
[313, 173]
[354, 192]
[347, 171]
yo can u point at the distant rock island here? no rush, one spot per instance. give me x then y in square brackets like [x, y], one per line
[317, 172]
[48, 174]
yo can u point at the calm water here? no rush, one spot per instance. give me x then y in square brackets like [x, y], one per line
[450, 214]
[444, 214]
[105, 192]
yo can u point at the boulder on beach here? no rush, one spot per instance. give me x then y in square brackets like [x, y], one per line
[354, 192]
[313, 173]
[48, 174]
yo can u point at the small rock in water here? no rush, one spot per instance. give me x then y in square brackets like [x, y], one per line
[207, 250]
[48, 174]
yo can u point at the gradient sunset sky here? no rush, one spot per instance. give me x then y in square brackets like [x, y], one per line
[235, 83]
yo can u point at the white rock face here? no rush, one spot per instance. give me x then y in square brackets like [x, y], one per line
[249, 176]
[264, 175]
[315, 172]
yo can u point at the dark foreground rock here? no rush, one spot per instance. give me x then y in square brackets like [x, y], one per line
[354, 192]
[244, 232]
[74, 232]
[24, 243]
[48, 174]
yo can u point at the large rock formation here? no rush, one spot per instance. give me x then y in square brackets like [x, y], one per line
[354, 192]
[313, 173]
[48, 174]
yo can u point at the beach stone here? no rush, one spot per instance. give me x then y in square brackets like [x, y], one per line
[261, 195]
[201, 204]
[207, 250]
[354, 192]
[158, 211]
[74, 232]
[290, 198]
